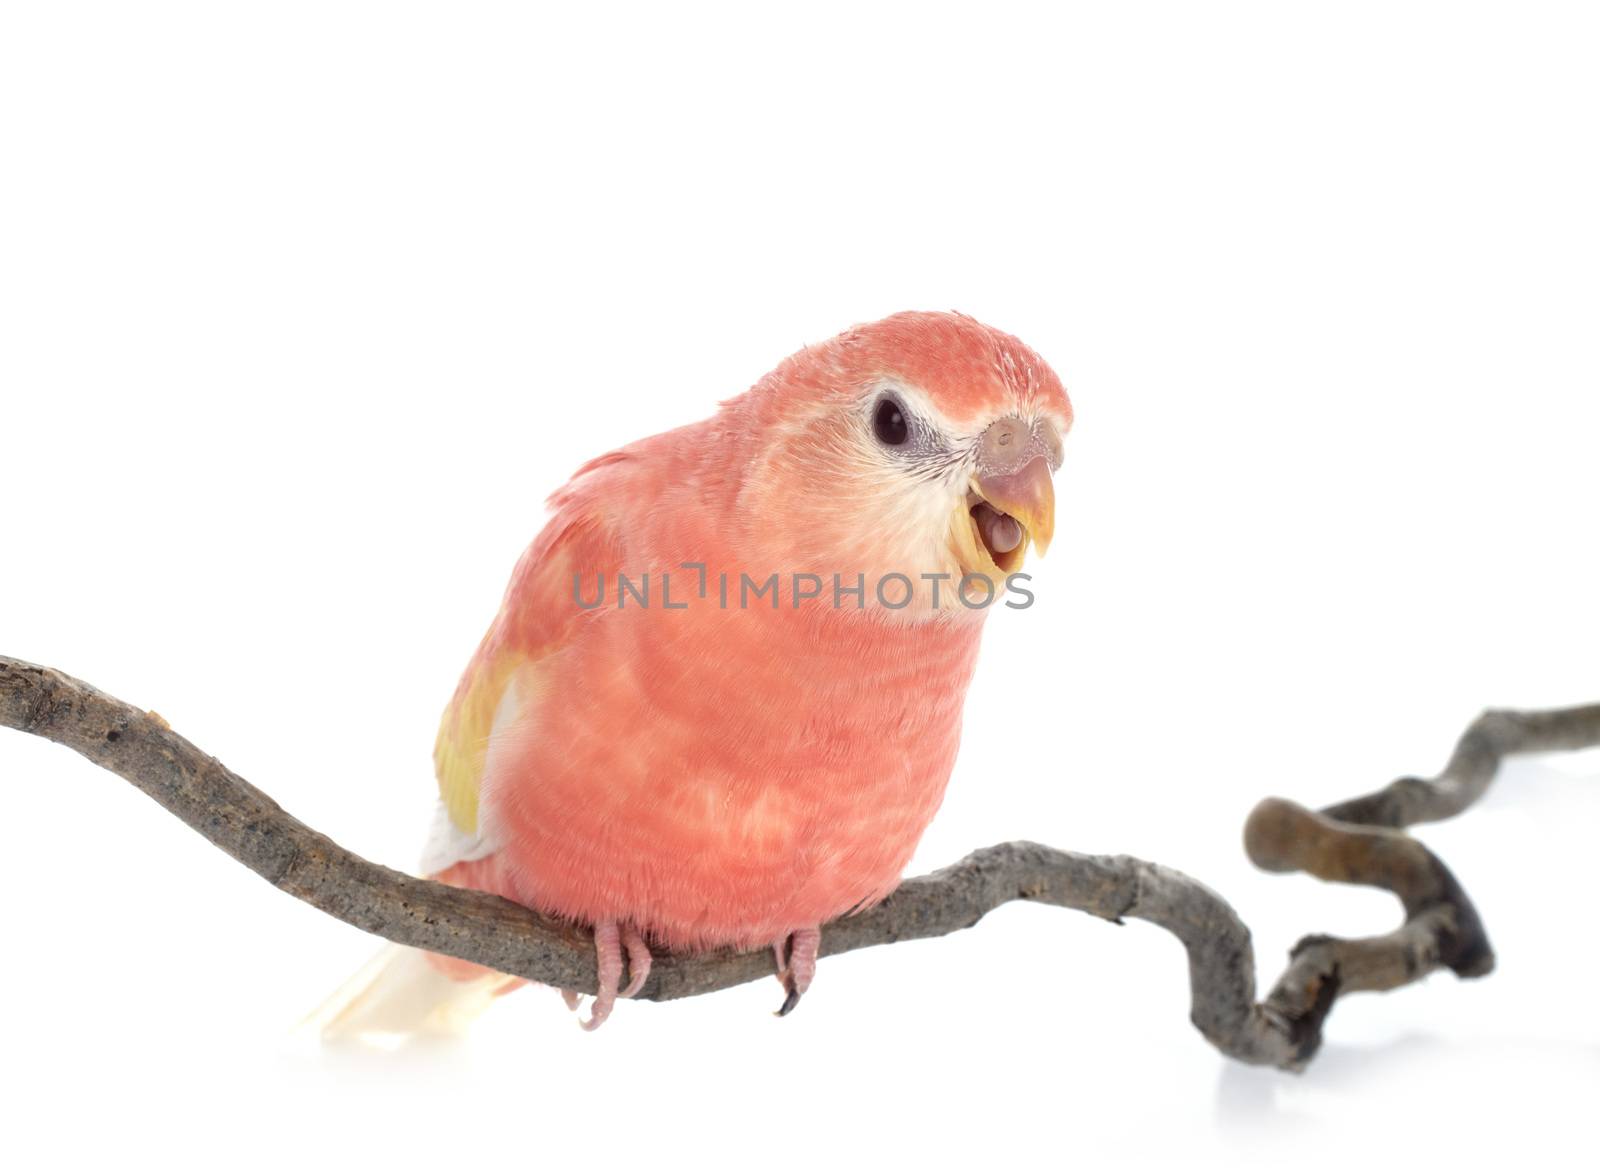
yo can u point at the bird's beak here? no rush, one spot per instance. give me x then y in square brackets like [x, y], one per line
[1002, 513]
[1026, 495]
[1010, 500]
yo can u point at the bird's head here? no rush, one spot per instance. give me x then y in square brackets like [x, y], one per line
[920, 445]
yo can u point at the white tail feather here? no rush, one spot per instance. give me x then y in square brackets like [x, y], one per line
[400, 994]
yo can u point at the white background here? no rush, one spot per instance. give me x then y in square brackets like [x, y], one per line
[304, 308]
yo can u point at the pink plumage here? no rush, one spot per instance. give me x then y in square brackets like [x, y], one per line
[723, 771]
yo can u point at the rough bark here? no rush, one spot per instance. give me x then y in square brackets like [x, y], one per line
[1354, 842]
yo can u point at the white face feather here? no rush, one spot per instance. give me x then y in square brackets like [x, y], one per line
[880, 508]
[921, 506]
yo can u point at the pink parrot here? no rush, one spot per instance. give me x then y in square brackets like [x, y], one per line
[659, 739]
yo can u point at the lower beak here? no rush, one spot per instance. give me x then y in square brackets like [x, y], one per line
[1027, 495]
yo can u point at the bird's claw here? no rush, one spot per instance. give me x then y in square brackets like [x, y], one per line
[609, 943]
[797, 965]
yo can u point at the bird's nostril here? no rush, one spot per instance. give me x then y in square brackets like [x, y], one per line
[1005, 444]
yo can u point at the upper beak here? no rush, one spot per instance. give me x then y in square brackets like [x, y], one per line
[1026, 494]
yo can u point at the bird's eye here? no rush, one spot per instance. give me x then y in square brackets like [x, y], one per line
[889, 423]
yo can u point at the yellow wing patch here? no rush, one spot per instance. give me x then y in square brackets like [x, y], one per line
[463, 741]
[536, 619]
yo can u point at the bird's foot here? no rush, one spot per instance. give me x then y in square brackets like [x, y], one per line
[797, 964]
[609, 943]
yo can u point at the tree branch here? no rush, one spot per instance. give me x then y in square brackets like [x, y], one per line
[1441, 928]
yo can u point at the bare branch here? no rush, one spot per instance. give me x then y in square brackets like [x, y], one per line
[1441, 928]
[1491, 738]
